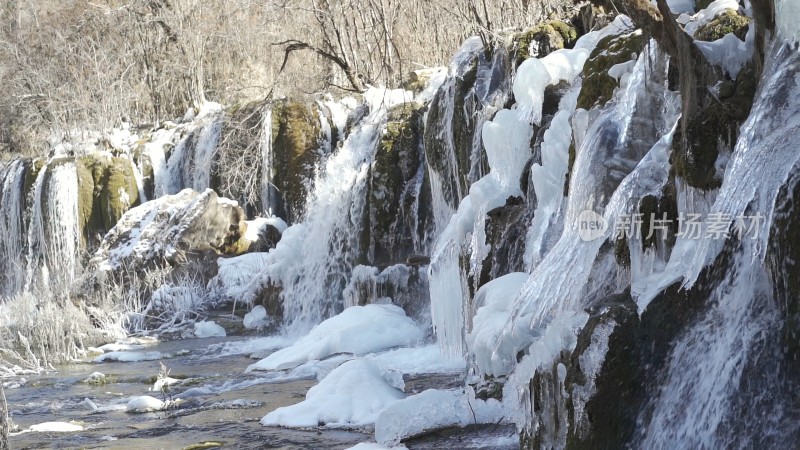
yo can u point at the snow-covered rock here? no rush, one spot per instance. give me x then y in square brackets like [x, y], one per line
[431, 410]
[145, 403]
[173, 228]
[256, 318]
[208, 329]
[352, 394]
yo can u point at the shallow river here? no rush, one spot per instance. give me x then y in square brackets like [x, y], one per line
[220, 405]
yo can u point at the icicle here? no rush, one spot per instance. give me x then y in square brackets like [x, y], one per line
[265, 144]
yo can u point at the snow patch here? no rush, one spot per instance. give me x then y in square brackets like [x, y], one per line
[130, 356]
[55, 427]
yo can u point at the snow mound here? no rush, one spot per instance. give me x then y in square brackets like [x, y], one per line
[494, 301]
[431, 410]
[418, 360]
[359, 330]
[208, 329]
[259, 224]
[352, 394]
[256, 318]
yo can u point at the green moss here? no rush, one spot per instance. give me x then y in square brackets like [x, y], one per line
[103, 184]
[295, 139]
[120, 192]
[85, 195]
[598, 87]
[728, 22]
[568, 33]
[547, 37]
[239, 246]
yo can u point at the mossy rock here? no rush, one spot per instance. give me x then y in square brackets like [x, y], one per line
[387, 234]
[546, 38]
[120, 191]
[239, 246]
[296, 135]
[85, 194]
[460, 132]
[107, 189]
[728, 22]
[418, 80]
[696, 148]
[598, 86]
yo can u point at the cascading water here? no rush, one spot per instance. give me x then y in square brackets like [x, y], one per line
[12, 223]
[705, 369]
[54, 236]
[314, 259]
[190, 163]
[706, 365]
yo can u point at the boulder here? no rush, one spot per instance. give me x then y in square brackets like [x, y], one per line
[174, 229]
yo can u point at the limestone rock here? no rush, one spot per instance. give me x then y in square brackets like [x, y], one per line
[175, 229]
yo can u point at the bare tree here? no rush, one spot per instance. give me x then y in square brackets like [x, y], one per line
[69, 64]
